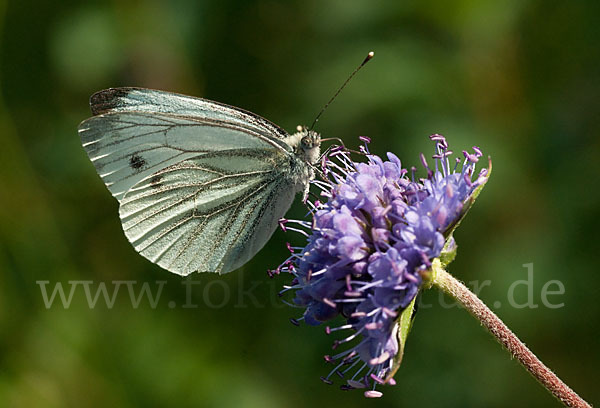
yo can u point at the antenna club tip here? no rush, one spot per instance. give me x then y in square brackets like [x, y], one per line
[368, 57]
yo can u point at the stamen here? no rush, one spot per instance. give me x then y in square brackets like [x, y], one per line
[356, 361]
[377, 379]
[326, 380]
[350, 300]
[424, 161]
[457, 162]
[467, 178]
[370, 285]
[470, 157]
[355, 384]
[374, 312]
[350, 356]
[389, 312]
[319, 272]
[333, 371]
[282, 222]
[291, 304]
[358, 372]
[383, 357]
[443, 155]
[298, 231]
[311, 208]
[344, 171]
[373, 326]
[329, 303]
[322, 185]
[328, 329]
[440, 139]
[349, 338]
[412, 278]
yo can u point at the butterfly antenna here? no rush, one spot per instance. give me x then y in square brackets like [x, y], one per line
[368, 57]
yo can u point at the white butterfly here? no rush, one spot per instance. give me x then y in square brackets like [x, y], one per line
[201, 185]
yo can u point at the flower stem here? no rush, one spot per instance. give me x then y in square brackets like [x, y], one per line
[454, 288]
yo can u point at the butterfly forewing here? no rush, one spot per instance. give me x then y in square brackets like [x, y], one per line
[152, 101]
[201, 185]
[127, 147]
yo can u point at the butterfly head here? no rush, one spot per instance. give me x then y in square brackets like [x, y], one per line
[308, 144]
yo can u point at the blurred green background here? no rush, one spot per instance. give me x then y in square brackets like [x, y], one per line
[518, 78]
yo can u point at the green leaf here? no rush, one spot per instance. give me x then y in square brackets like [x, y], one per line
[403, 325]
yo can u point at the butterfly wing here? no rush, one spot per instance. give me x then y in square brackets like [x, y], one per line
[207, 213]
[200, 185]
[153, 101]
[137, 132]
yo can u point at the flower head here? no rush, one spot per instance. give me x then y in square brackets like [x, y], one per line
[369, 246]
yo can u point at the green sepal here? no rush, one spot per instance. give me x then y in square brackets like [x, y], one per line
[449, 251]
[436, 267]
[403, 325]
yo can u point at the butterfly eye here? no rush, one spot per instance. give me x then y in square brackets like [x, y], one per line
[306, 142]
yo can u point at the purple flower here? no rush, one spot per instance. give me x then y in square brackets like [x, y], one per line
[368, 248]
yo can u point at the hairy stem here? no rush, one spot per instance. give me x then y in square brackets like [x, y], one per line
[454, 288]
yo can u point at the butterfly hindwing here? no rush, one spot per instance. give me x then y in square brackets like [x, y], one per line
[207, 213]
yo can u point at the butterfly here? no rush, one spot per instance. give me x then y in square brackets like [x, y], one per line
[201, 185]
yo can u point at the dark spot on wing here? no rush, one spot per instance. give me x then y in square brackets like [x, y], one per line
[136, 162]
[107, 100]
[155, 180]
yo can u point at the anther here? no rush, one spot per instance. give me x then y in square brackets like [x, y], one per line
[373, 394]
